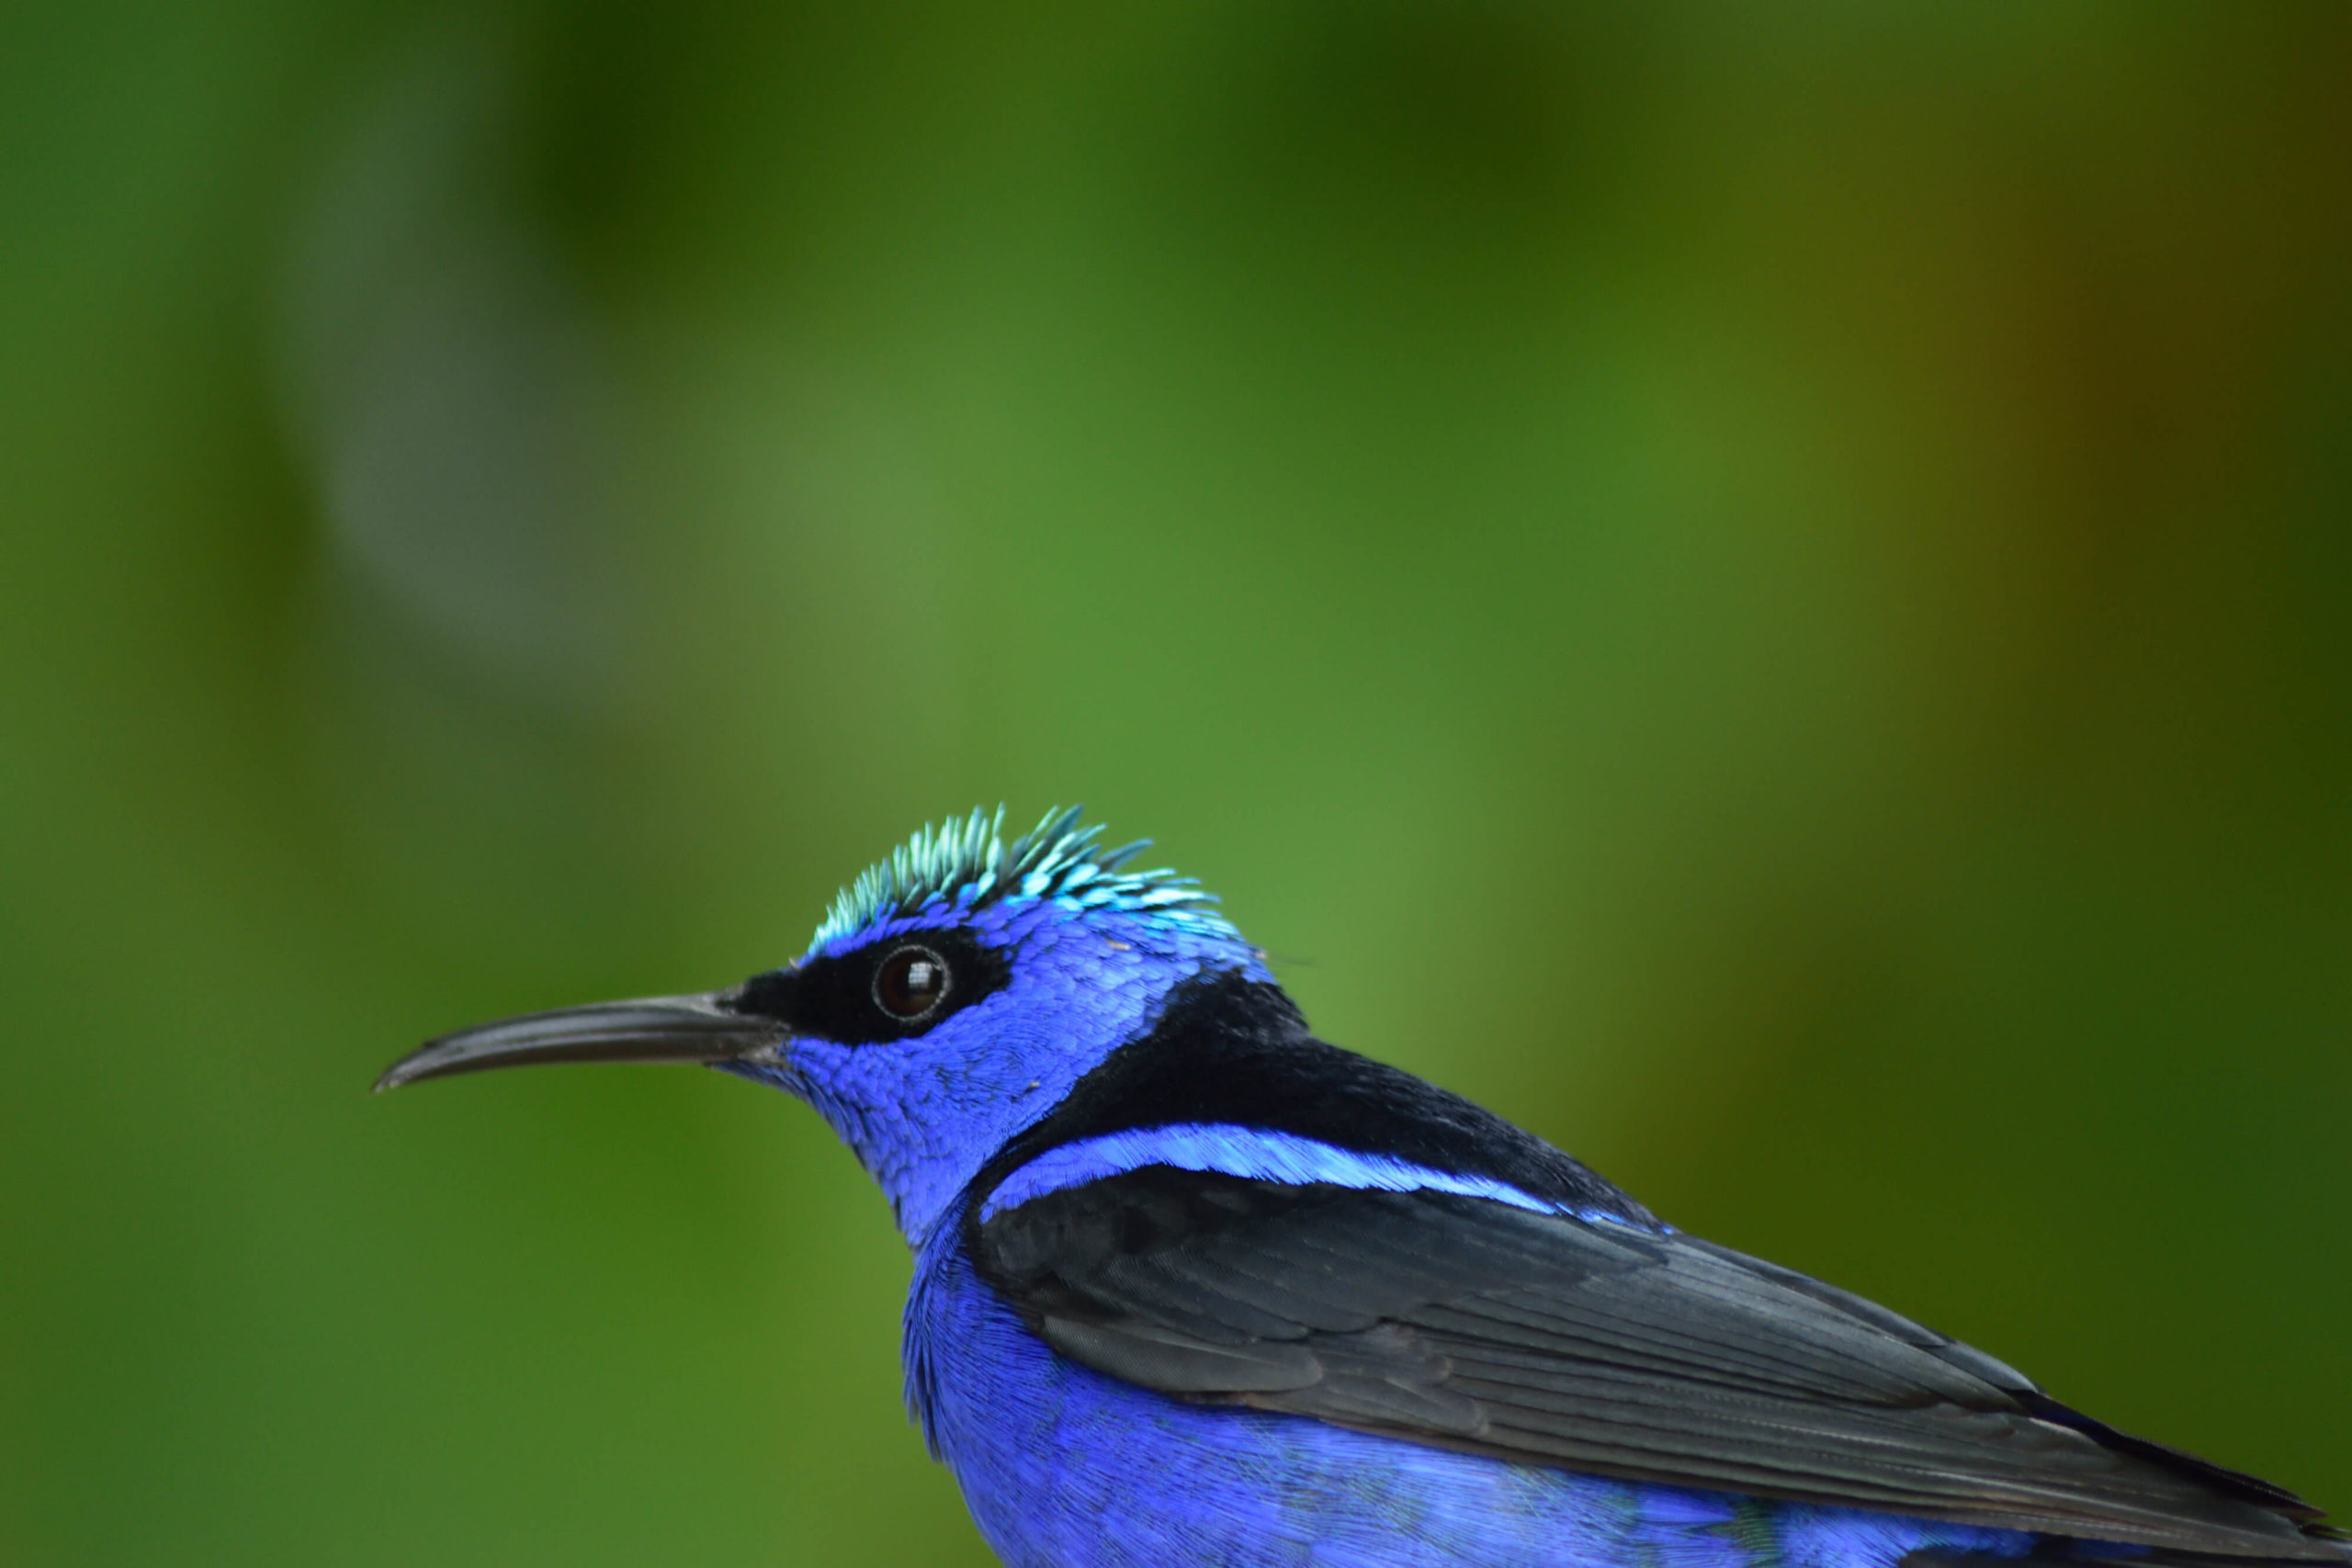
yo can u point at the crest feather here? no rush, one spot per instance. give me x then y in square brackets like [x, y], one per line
[966, 864]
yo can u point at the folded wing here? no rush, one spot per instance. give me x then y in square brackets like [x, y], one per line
[1608, 1348]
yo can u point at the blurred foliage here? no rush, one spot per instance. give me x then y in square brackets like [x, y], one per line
[1762, 589]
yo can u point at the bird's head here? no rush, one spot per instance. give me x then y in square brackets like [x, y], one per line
[953, 995]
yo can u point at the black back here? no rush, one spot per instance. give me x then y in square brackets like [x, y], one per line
[1230, 1050]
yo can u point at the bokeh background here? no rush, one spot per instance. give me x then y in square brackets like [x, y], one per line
[1766, 590]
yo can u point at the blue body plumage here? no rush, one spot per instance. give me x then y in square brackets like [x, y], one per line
[1192, 1287]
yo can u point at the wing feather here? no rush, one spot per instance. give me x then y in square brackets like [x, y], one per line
[1606, 1348]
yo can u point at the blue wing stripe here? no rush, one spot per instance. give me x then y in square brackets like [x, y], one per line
[1251, 1152]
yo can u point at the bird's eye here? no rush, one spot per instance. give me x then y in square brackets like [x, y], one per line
[911, 984]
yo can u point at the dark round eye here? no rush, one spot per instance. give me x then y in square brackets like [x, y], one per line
[911, 983]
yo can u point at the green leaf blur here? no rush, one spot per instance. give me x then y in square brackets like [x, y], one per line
[1767, 589]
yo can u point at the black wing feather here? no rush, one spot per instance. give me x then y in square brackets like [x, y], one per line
[1603, 1348]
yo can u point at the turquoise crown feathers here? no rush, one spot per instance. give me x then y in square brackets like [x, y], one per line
[966, 864]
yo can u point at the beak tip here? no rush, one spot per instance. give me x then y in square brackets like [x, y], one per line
[392, 1077]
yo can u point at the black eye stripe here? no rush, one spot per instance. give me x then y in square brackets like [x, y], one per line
[839, 998]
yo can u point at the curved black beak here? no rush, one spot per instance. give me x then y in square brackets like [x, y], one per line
[656, 1029]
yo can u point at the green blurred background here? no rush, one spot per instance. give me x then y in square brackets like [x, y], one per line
[1768, 590]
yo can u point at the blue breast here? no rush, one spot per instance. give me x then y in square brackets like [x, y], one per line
[1063, 1467]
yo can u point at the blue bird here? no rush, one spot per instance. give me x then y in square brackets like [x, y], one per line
[1192, 1287]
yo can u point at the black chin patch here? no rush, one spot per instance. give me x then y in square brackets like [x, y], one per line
[832, 998]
